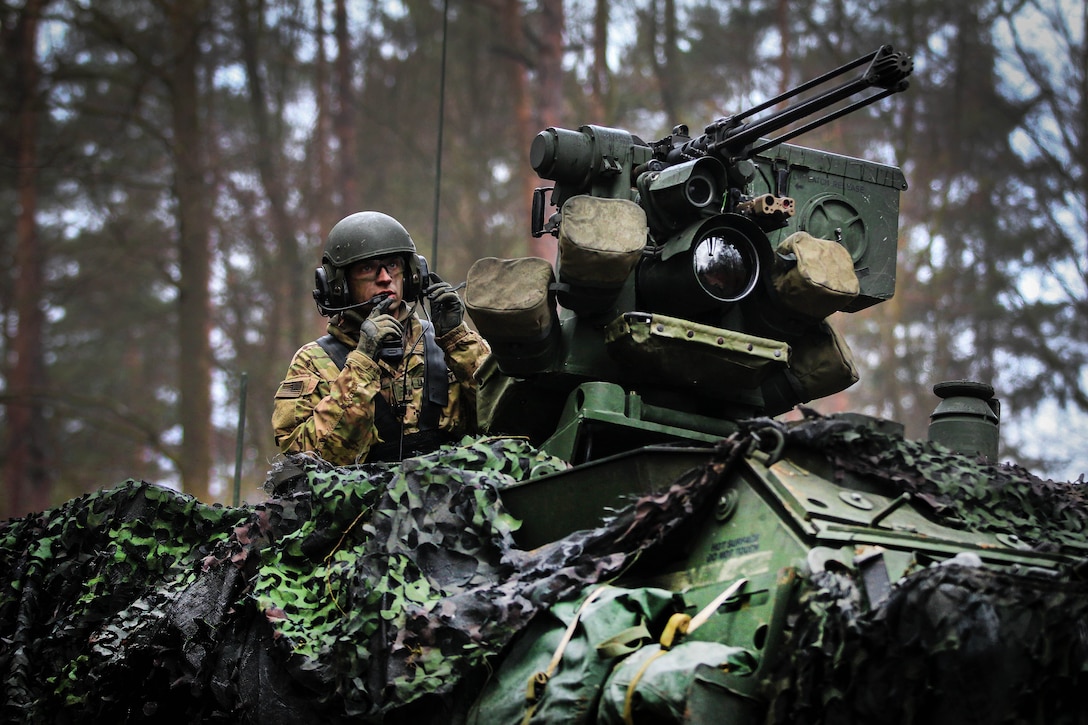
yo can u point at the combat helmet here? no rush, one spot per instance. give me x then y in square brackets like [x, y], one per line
[359, 236]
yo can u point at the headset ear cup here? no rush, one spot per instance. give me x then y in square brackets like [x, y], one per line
[321, 290]
[330, 289]
[413, 286]
[338, 286]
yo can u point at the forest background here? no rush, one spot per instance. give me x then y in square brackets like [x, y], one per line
[170, 169]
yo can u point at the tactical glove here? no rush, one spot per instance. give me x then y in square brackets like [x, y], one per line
[380, 333]
[447, 309]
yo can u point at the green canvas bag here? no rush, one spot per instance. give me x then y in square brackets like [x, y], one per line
[814, 277]
[553, 672]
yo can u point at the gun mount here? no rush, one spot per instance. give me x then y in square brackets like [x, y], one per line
[694, 275]
[612, 163]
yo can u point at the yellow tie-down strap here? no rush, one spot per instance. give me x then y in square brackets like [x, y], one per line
[538, 681]
[679, 624]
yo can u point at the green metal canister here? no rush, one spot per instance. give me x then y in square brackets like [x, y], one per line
[967, 418]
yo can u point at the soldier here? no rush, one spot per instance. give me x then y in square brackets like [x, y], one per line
[383, 384]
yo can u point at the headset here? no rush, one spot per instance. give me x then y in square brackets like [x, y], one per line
[333, 296]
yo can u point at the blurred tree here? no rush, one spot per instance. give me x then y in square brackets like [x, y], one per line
[116, 144]
[269, 316]
[25, 463]
[1044, 75]
[524, 127]
[347, 181]
[186, 21]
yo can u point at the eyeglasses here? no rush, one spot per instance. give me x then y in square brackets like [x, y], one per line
[369, 269]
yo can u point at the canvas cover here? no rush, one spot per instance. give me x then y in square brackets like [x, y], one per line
[605, 624]
[814, 277]
[653, 685]
[822, 363]
[511, 299]
[669, 349]
[600, 240]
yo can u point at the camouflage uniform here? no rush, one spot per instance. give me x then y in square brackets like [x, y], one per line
[331, 412]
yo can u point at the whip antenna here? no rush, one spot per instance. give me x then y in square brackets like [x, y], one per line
[441, 124]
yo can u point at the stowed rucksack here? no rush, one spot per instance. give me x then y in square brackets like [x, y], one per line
[613, 655]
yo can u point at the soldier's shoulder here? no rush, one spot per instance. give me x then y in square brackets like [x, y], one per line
[313, 358]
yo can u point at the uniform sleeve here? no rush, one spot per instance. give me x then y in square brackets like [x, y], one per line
[323, 409]
[465, 351]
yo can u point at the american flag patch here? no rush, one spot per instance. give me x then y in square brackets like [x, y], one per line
[296, 387]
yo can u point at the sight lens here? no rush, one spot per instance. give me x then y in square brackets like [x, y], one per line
[726, 269]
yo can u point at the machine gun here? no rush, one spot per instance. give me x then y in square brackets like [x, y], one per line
[694, 275]
[611, 163]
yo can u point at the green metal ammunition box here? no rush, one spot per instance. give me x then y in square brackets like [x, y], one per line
[852, 201]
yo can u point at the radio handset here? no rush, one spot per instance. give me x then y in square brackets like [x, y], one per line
[391, 349]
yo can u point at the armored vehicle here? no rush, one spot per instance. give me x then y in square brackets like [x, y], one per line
[833, 571]
[635, 536]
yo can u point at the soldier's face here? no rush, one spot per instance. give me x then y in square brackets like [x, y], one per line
[372, 277]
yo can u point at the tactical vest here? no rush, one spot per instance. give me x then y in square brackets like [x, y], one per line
[436, 391]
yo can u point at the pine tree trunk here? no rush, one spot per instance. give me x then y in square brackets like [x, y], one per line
[322, 209]
[599, 87]
[25, 474]
[345, 117]
[513, 32]
[194, 253]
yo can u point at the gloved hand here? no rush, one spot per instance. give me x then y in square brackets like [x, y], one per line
[378, 329]
[447, 309]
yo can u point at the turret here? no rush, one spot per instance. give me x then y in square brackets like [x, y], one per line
[694, 279]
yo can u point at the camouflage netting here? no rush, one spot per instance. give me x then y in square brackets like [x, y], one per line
[956, 642]
[951, 645]
[363, 593]
[960, 491]
[382, 592]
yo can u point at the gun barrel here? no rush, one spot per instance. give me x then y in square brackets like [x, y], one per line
[885, 69]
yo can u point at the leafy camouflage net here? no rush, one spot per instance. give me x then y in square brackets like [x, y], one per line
[956, 642]
[951, 645]
[76, 577]
[383, 592]
[961, 491]
[363, 593]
